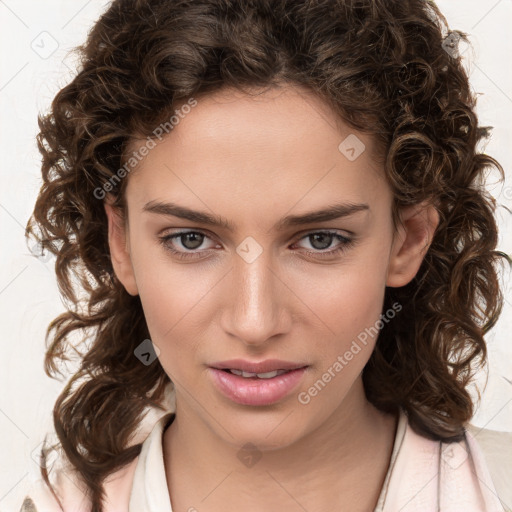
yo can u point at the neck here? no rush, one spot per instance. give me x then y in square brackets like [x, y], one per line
[343, 462]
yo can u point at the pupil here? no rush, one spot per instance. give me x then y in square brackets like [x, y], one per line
[196, 240]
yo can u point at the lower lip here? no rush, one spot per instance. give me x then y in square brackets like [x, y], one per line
[254, 391]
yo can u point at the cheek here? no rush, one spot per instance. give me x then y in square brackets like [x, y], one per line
[349, 314]
[350, 305]
[173, 313]
[172, 296]
[169, 290]
[169, 305]
[346, 299]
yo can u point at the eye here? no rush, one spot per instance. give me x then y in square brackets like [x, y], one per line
[188, 244]
[321, 240]
[188, 240]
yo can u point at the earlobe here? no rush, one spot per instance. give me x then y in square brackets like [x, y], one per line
[119, 253]
[411, 242]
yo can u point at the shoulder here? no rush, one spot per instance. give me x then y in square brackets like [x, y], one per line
[68, 494]
[39, 499]
[71, 494]
[428, 474]
[496, 447]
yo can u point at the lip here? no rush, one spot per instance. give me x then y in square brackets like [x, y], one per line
[255, 391]
[269, 365]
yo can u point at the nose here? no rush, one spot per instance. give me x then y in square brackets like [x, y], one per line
[257, 308]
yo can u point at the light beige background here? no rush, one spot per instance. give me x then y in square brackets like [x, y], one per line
[35, 39]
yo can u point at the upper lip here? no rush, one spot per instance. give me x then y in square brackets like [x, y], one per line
[269, 365]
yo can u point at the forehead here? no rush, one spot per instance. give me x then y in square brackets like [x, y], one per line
[277, 144]
[288, 111]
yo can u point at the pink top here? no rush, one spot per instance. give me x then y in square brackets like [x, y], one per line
[423, 476]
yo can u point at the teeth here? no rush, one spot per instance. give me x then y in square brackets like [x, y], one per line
[267, 375]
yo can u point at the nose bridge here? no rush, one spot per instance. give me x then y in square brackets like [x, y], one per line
[256, 308]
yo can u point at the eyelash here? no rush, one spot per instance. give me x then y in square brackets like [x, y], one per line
[345, 244]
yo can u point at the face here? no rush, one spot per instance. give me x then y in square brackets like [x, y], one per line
[265, 279]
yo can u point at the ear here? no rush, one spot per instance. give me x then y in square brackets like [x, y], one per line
[119, 247]
[411, 242]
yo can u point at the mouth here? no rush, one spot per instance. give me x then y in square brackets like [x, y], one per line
[256, 388]
[261, 369]
[253, 375]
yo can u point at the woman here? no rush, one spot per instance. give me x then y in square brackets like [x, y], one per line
[276, 212]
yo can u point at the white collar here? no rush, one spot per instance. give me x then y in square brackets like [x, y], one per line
[423, 475]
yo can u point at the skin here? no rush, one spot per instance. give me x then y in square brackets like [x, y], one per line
[254, 160]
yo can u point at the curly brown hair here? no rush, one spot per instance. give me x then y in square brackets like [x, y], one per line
[388, 68]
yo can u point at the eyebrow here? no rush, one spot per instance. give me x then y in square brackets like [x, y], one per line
[332, 212]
